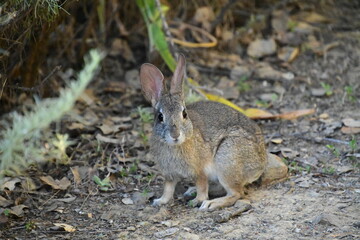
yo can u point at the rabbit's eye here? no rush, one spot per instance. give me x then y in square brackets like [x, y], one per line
[184, 113]
[160, 117]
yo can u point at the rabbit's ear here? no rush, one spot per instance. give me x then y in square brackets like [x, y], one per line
[177, 79]
[152, 81]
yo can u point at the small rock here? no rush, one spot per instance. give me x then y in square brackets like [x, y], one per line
[131, 228]
[189, 236]
[349, 122]
[275, 169]
[127, 201]
[167, 232]
[324, 116]
[141, 198]
[318, 92]
[239, 72]
[326, 219]
[304, 184]
[261, 47]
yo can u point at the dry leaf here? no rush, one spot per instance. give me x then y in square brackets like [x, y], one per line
[10, 183]
[288, 54]
[101, 138]
[28, 184]
[76, 174]
[295, 114]
[350, 130]
[18, 210]
[88, 97]
[4, 202]
[66, 227]
[314, 17]
[276, 140]
[62, 184]
[256, 113]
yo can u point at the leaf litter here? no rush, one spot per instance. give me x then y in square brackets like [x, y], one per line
[113, 142]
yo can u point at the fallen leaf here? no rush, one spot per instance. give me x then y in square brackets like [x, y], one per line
[66, 227]
[289, 153]
[350, 130]
[276, 140]
[256, 113]
[101, 138]
[28, 184]
[18, 210]
[62, 184]
[314, 17]
[10, 183]
[75, 125]
[76, 174]
[4, 202]
[295, 114]
[265, 71]
[288, 54]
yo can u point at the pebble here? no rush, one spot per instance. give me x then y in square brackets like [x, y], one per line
[167, 232]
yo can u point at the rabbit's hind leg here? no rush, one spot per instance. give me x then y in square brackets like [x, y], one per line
[233, 194]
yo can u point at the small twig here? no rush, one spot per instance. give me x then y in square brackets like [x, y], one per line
[36, 88]
[42, 205]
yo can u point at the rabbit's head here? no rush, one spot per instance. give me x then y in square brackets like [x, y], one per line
[172, 124]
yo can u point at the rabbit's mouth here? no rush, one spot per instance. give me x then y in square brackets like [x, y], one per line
[175, 141]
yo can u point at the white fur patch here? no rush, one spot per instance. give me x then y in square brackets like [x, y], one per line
[172, 141]
[210, 171]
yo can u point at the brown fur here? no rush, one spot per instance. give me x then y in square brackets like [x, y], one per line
[212, 141]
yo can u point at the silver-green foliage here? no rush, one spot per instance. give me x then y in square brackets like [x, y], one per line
[20, 141]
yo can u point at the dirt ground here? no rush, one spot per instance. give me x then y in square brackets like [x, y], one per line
[319, 200]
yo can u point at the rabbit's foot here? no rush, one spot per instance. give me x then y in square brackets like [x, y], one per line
[197, 201]
[216, 203]
[160, 201]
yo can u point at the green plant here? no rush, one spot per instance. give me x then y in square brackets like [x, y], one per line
[104, 184]
[294, 167]
[243, 86]
[291, 25]
[133, 168]
[350, 93]
[328, 88]
[334, 150]
[30, 225]
[146, 114]
[6, 212]
[353, 144]
[22, 140]
[261, 103]
[328, 170]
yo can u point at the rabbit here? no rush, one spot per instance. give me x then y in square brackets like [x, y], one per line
[202, 141]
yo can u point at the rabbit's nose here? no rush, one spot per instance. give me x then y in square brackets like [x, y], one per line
[174, 132]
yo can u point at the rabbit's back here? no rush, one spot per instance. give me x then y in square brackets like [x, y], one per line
[216, 121]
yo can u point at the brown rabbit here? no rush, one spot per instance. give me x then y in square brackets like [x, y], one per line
[202, 141]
